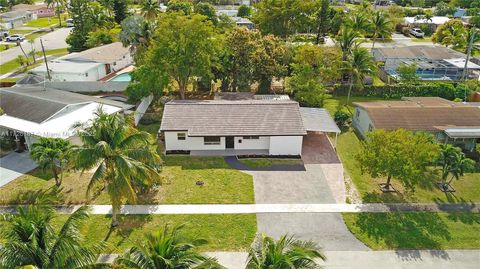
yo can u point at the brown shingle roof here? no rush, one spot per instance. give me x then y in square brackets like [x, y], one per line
[421, 114]
[229, 118]
[426, 52]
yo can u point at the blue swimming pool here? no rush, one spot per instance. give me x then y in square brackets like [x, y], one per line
[124, 77]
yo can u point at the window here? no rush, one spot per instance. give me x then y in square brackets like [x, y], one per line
[370, 128]
[251, 137]
[181, 136]
[211, 140]
[357, 113]
[86, 74]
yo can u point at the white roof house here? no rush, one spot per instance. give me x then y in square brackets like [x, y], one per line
[89, 65]
[238, 127]
[43, 112]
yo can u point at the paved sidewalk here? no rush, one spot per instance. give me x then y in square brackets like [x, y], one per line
[400, 259]
[265, 208]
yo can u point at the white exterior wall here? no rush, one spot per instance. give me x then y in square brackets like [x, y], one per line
[94, 74]
[263, 142]
[286, 145]
[190, 143]
[122, 63]
[362, 121]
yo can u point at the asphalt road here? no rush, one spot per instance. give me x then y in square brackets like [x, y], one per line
[53, 40]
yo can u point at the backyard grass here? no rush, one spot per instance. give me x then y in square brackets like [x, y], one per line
[338, 102]
[9, 66]
[223, 232]
[348, 145]
[267, 162]
[420, 230]
[221, 184]
[150, 128]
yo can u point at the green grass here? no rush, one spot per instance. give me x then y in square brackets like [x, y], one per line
[267, 162]
[377, 81]
[420, 230]
[43, 22]
[35, 35]
[9, 79]
[180, 174]
[55, 52]
[149, 128]
[9, 66]
[338, 102]
[222, 232]
[348, 145]
[19, 31]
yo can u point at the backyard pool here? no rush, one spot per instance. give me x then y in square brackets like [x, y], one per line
[124, 77]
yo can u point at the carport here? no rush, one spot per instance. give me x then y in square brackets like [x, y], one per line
[319, 120]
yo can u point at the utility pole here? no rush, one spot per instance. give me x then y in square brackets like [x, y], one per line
[45, 60]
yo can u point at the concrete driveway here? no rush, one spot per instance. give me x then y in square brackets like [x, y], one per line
[14, 165]
[319, 182]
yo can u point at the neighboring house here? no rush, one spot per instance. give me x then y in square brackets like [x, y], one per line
[243, 22]
[450, 122]
[433, 62]
[240, 127]
[89, 65]
[13, 19]
[40, 11]
[433, 23]
[32, 112]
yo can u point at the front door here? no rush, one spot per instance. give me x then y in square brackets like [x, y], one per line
[229, 142]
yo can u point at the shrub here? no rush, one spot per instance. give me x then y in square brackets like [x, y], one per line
[341, 118]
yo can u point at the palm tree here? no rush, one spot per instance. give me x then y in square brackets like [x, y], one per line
[150, 9]
[125, 159]
[381, 26]
[59, 5]
[53, 154]
[32, 242]
[453, 162]
[287, 252]
[347, 39]
[358, 66]
[167, 249]
[359, 22]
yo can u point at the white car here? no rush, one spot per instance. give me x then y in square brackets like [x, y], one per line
[15, 38]
[416, 32]
[70, 23]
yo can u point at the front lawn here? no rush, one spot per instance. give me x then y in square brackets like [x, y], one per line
[9, 66]
[223, 232]
[348, 145]
[43, 22]
[221, 184]
[268, 162]
[420, 230]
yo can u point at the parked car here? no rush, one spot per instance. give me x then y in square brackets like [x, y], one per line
[15, 38]
[416, 32]
[69, 22]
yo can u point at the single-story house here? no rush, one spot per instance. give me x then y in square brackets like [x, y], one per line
[89, 65]
[240, 127]
[32, 112]
[433, 22]
[41, 10]
[450, 122]
[13, 19]
[244, 22]
[433, 62]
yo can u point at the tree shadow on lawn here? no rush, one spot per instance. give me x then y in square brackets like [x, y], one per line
[406, 231]
[127, 225]
[467, 212]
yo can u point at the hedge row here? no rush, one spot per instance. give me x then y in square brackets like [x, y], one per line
[445, 90]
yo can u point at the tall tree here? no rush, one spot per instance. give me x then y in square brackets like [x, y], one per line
[167, 249]
[359, 65]
[53, 154]
[244, 11]
[323, 20]
[150, 9]
[287, 252]
[124, 158]
[453, 163]
[380, 26]
[180, 6]
[398, 154]
[207, 10]
[83, 20]
[184, 47]
[452, 33]
[32, 242]
[347, 40]
[120, 9]
[137, 33]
